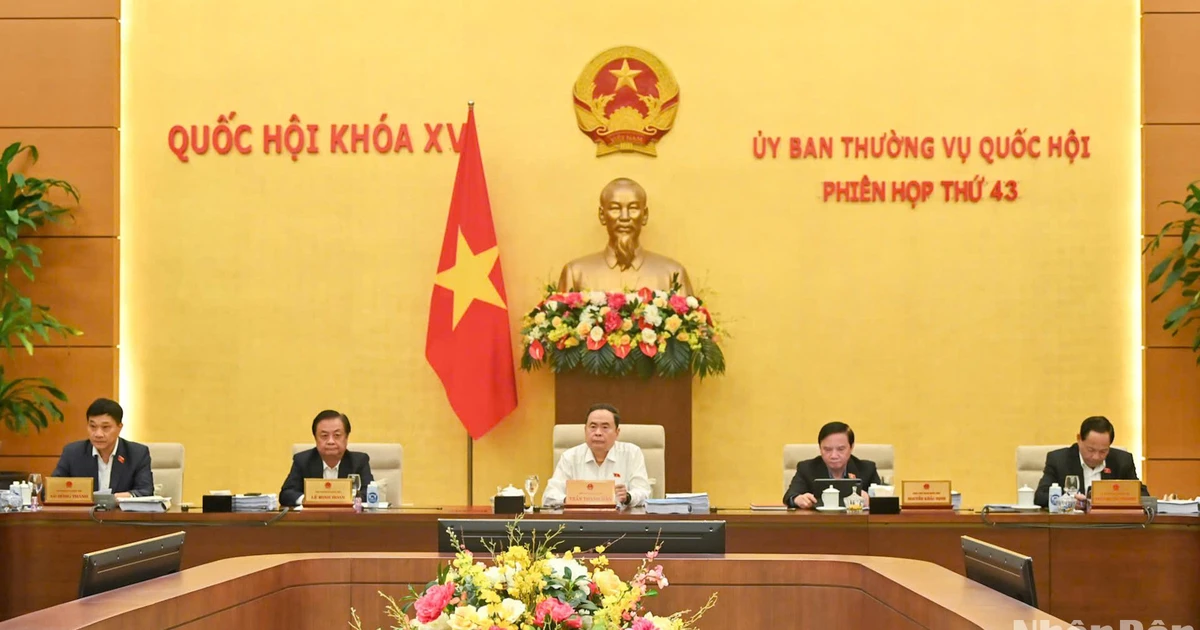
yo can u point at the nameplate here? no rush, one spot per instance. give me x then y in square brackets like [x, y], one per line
[926, 494]
[1117, 493]
[328, 492]
[68, 491]
[582, 493]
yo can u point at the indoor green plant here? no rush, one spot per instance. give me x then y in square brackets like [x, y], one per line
[1181, 266]
[24, 208]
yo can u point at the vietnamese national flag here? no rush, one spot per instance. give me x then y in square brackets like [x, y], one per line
[468, 342]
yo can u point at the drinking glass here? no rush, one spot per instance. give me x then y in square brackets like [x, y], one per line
[531, 488]
[35, 480]
[355, 483]
[1071, 485]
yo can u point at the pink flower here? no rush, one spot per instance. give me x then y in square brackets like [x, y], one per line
[642, 624]
[433, 602]
[678, 304]
[557, 610]
[574, 622]
[616, 301]
[612, 321]
[574, 300]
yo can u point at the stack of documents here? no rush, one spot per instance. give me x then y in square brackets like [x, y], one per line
[668, 506]
[145, 504]
[1181, 507]
[255, 503]
[679, 503]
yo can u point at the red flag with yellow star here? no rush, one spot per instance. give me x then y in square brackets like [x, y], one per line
[468, 341]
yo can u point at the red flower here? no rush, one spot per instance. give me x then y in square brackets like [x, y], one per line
[536, 351]
[593, 588]
[592, 344]
[622, 351]
[574, 300]
[678, 304]
[557, 297]
[707, 316]
[616, 301]
[612, 321]
[645, 295]
[562, 343]
[430, 605]
[648, 349]
[574, 622]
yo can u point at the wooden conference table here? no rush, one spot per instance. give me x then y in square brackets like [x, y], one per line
[1095, 568]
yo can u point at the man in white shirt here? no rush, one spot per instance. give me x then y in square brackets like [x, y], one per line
[1090, 459]
[114, 464]
[328, 459]
[600, 458]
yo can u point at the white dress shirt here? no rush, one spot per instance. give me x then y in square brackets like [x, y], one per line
[105, 468]
[1090, 474]
[578, 462]
[330, 473]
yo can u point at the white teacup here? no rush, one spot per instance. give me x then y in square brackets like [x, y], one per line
[1025, 496]
[829, 498]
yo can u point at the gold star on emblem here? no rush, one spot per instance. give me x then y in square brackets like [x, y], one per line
[625, 76]
[469, 280]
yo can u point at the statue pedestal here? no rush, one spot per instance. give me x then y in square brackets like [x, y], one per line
[665, 401]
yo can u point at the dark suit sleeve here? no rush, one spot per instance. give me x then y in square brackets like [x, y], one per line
[1129, 471]
[1050, 475]
[800, 485]
[293, 486]
[63, 468]
[143, 477]
[364, 474]
[872, 478]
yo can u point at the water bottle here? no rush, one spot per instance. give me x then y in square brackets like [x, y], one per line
[1055, 498]
[372, 494]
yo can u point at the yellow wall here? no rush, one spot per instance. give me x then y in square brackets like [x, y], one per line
[257, 290]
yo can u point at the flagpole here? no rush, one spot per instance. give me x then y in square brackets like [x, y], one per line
[470, 471]
[470, 440]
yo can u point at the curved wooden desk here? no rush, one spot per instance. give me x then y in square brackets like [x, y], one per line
[756, 591]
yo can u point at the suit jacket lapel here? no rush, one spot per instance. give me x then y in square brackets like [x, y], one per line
[315, 468]
[92, 465]
[345, 468]
[1074, 464]
[120, 468]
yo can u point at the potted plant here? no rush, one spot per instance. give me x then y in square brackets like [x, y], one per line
[25, 206]
[1181, 266]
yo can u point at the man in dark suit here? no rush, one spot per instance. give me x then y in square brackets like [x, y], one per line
[120, 466]
[836, 461]
[328, 460]
[1090, 459]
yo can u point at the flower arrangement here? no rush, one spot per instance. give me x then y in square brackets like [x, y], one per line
[649, 333]
[530, 587]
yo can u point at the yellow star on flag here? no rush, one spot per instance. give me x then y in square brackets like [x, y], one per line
[469, 280]
[625, 76]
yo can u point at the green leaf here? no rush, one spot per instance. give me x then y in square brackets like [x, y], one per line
[19, 179]
[1159, 270]
[1176, 315]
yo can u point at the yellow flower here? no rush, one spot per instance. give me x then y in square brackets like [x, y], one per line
[571, 342]
[625, 340]
[583, 329]
[468, 617]
[539, 319]
[599, 548]
[607, 582]
[682, 336]
[604, 310]
[673, 323]
[627, 324]
[660, 302]
[556, 322]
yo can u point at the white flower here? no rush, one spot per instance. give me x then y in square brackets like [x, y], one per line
[692, 302]
[598, 298]
[441, 623]
[495, 576]
[630, 298]
[552, 306]
[597, 333]
[559, 566]
[510, 610]
[660, 294]
[652, 315]
[649, 336]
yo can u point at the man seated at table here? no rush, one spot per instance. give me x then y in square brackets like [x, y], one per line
[115, 465]
[1091, 458]
[602, 458]
[836, 461]
[329, 459]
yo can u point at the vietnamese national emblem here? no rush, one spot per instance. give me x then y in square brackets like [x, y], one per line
[626, 100]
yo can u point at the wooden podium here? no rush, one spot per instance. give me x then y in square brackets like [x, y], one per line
[665, 401]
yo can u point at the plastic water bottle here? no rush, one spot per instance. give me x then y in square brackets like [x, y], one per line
[372, 494]
[1055, 498]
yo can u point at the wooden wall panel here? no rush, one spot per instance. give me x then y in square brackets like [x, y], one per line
[60, 9]
[1178, 476]
[84, 374]
[1170, 6]
[1170, 161]
[89, 160]
[1172, 397]
[79, 280]
[72, 76]
[1170, 68]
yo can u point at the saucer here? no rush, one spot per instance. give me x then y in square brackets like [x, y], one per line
[1026, 508]
[831, 509]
